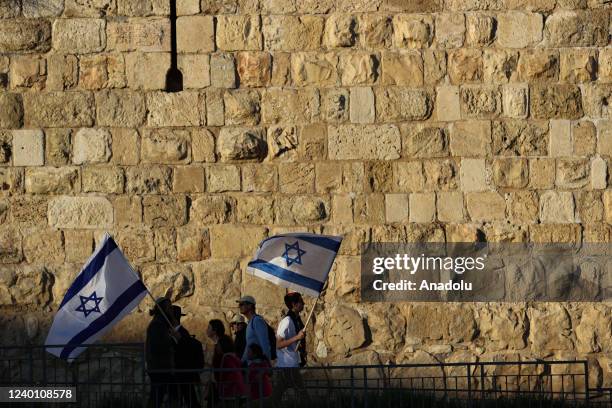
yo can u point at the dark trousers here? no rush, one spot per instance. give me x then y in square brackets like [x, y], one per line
[162, 384]
[186, 389]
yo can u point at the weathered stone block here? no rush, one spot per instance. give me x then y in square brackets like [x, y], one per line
[510, 172]
[223, 71]
[486, 206]
[396, 208]
[422, 207]
[424, 140]
[188, 179]
[192, 244]
[28, 72]
[340, 31]
[138, 34]
[62, 72]
[539, 65]
[91, 146]
[450, 30]
[515, 100]
[202, 145]
[254, 68]
[215, 111]
[290, 106]
[11, 180]
[369, 209]
[59, 109]
[595, 100]
[359, 68]
[259, 178]
[500, 66]
[296, 178]
[573, 173]
[120, 108]
[328, 177]
[168, 109]
[27, 285]
[28, 148]
[404, 69]
[25, 35]
[578, 65]
[480, 102]
[292, 33]
[584, 138]
[78, 245]
[281, 75]
[57, 146]
[473, 175]
[441, 174]
[50, 180]
[212, 209]
[154, 77]
[195, 34]
[599, 174]
[80, 212]
[220, 178]
[103, 179]
[605, 65]
[309, 68]
[465, 66]
[164, 211]
[400, 104]
[569, 28]
[555, 102]
[148, 180]
[242, 107]
[195, 69]
[523, 207]
[103, 71]
[560, 144]
[362, 105]
[283, 143]
[520, 138]
[450, 207]
[556, 207]
[375, 31]
[470, 138]
[480, 30]
[256, 210]
[28, 209]
[79, 35]
[224, 244]
[519, 30]
[448, 106]
[375, 142]
[335, 105]
[236, 33]
[434, 62]
[412, 31]
[163, 146]
[408, 176]
[10, 9]
[301, 210]
[541, 173]
[241, 144]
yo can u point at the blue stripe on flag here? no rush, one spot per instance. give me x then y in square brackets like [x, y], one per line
[287, 275]
[90, 270]
[101, 322]
[323, 242]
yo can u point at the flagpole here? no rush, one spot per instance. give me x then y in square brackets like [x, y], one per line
[297, 345]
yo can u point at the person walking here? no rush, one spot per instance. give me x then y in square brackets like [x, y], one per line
[188, 356]
[257, 328]
[238, 327]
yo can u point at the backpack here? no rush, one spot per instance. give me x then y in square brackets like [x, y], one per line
[271, 339]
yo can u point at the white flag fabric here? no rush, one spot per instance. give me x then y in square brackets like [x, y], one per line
[105, 291]
[298, 261]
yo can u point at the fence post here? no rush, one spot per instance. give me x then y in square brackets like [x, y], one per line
[586, 382]
[352, 388]
[469, 384]
[365, 387]
[482, 383]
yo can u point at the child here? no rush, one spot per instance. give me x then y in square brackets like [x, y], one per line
[259, 373]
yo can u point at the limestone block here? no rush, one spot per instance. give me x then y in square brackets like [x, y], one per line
[450, 30]
[296, 178]
[195, 69]
[212, 209]
[328, 177]
[450, 206]
[25, 35]
[480, 30]
[448, 104]
[556, 102]
[539, 66]
[222, 71]
[480, 102]
[148, 180]
[289, 106]
[242, 107]
[10, 9]
[584, 138]
[103, 179]
[28, 209]
[6, 138]
[10, 245]
[599, 174]
[142, 8]
[408, 176]
[126, 146]
[52, 180]
[28, 72]
[301, 209]
[374, 142]
[595, 99]
[578, 65]
[401, 104]
[412, 6]
[605, 65]
[309, 68]
[486, 206]
[471, 138]
[517, 29]
[78, 245]
[215, 111]
[499, 65]
[281, 69]
[163, 146]
[362, 105]
[223, 278]
[412, 31]
[292, 33]
[195, 34]
[523, 207]
[225, 245]
[79, 35]
[335, 105]
[515, 100]
[59, 109]
[424, 140]
[237, 33]
[192, 244]
[62, 72]
[11, 180]
[220, 7]
[560, 138]
[422, 207]
[340, 31]
[188, 179]
[152, 78]
[80, 212]
[241, 144]
[282, 143]
[569, 28]
[520, 138]
[556, 207]
[57, 146]
[165, 244]
[220, 178]
[541, 173]
[379, 176]
[375, 31]
[259, 178]
[202, 145]
[313, 140]
[510, 172]
[120, 108]
[441, 174]
[254, 68]
[168, 109]
[28, 148]
[160, 277]
[128, 210]
[359, 68]
[91, 146]
[402, 68]
[138, 34]
[369, 209]
[103, 71]
[465, 66]
[27, 285]
[573, 173]
[256, 210]
[473, 175]
[164, 211]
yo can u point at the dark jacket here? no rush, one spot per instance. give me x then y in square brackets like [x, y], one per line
[159, 346]
[240, 342]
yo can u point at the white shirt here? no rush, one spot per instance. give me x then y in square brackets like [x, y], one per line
[288, 356]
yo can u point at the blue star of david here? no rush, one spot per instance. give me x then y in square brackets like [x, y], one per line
[85, 299]
[297, 258]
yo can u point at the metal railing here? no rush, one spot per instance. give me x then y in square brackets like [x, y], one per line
[114, 375]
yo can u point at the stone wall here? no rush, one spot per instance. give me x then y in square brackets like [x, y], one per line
[382, 120]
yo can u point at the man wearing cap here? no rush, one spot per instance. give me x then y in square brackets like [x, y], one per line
[257, 328]
[238, 326]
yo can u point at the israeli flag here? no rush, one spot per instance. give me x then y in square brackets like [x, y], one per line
[297, 261]
[104, 292]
